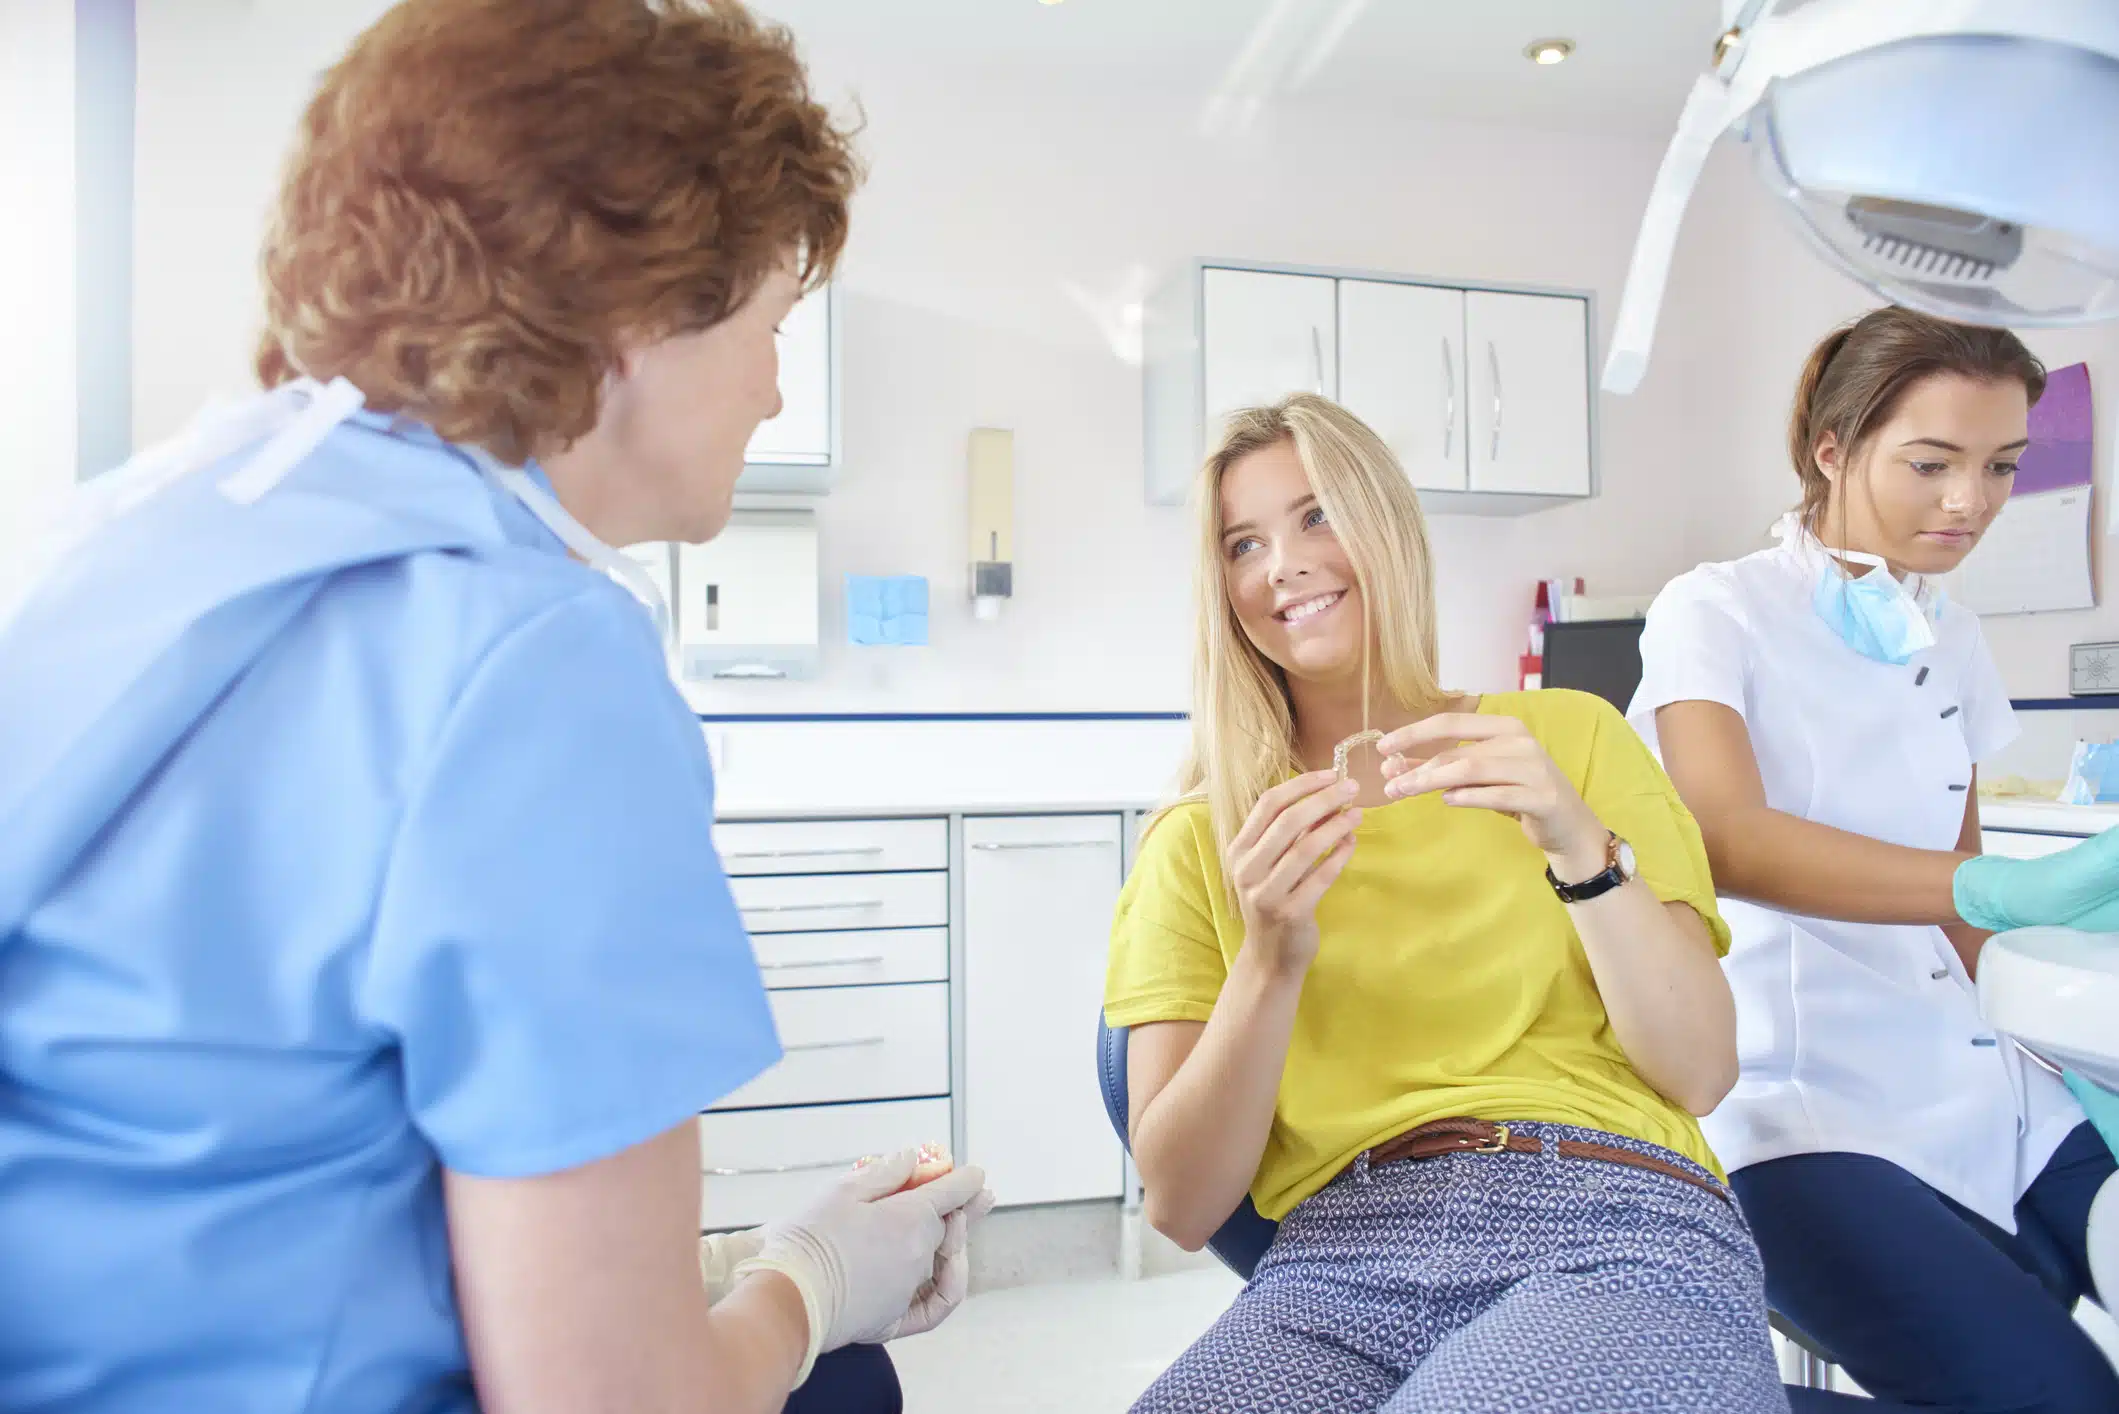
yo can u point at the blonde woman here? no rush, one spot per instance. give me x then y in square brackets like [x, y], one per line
[1371, 1003]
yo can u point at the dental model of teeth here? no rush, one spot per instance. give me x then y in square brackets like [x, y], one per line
[934, 1162]
[1341, 751]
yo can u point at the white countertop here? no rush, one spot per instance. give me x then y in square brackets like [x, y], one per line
[2047, 817]
[853, 769]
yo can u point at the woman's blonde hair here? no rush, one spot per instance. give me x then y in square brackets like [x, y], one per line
[1243, 720]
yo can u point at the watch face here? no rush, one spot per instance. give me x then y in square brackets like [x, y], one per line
[1625, 859]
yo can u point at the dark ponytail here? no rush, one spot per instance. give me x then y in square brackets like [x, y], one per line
[1856, 375]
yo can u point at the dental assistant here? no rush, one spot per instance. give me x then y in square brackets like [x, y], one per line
[365, 960]
[1821, 707]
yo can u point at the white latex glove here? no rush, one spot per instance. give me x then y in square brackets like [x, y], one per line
[719, 1255]
[863, 1253]
[933, 1302]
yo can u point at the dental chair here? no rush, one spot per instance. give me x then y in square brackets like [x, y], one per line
[2056, 991]
[1242, 1240]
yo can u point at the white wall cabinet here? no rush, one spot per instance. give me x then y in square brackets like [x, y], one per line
[1529, 403]
[1267, 335]
[1402, 372]
[1039, 892]
[798, 451]
[1483, 394]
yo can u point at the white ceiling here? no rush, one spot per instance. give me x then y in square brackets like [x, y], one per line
[1439, 59]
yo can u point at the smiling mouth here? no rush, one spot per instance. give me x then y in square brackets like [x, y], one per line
[1309, 608]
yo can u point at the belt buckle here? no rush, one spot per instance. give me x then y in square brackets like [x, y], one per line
[1497, 1144]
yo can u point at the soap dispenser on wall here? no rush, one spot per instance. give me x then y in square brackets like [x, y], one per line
[992, 460]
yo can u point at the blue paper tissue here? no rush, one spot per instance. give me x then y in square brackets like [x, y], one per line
[2093, 774]
[886, 610]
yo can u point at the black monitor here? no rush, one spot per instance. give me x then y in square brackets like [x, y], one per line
[1602, 656]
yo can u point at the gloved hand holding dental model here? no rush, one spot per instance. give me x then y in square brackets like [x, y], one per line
[2075, 888]
[878, 1256]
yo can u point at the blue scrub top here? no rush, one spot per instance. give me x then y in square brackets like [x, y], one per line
[344, 837]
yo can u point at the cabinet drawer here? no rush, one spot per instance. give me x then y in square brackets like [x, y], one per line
[855, 1043]
[765, 1164]
[853, 959]
[832, 846]
[815, 903]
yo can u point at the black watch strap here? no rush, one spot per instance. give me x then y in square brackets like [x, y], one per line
[1596, 885]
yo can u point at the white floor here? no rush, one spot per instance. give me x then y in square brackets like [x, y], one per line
[1091, 1347]
[1081, 1347]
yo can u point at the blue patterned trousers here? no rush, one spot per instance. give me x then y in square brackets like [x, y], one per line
[1483, 1283]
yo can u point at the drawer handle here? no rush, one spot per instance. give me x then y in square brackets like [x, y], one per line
[811, 907]
[834, 1045]
[769, 1169]
[865, 960]
[1047, 844]
[803, 853]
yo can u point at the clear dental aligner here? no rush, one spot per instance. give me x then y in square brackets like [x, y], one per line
[1341, 751]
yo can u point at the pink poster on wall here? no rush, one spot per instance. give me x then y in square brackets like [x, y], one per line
[2062, 425]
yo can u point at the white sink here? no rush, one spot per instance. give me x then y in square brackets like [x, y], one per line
[2057, 991]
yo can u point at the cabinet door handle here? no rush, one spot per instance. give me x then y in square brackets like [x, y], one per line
[764, 1170]
[1047, 844]
[1317, 357]
[865, 960]
[1449, 399]
[803, 853]
[1493, 361]
[810, 907]
[853, 1044]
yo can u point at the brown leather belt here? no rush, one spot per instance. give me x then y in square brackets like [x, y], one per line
[1480, 1136]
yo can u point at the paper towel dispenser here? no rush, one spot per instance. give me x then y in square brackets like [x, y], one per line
[747, 599]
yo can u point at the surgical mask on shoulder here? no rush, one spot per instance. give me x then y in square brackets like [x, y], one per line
[1874, 613]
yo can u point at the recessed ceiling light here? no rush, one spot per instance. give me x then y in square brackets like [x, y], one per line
[1048, 2]
[1548, 51]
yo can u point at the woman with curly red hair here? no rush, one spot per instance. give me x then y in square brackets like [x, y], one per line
[364, 956]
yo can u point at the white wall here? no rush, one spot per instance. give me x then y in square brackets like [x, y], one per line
[221, 85]
[1003, 231]
[37, 354]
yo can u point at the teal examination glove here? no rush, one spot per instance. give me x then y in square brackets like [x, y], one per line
[2076, 888]
[2100, 1104]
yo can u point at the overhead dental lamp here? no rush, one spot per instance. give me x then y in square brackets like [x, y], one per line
[1959, 157]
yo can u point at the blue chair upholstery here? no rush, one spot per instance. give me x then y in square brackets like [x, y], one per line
[1243, 1239]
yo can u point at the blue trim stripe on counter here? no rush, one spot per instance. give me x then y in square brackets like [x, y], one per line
[2102, 701]
[944, 716]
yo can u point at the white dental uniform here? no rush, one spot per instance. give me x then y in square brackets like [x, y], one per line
[1855, 1037]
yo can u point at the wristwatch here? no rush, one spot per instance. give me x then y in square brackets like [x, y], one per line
[1618, 869]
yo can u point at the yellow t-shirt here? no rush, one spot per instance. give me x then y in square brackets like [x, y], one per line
[1449, 980]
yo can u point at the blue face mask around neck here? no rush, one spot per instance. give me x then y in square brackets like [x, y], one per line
[1873, 613]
